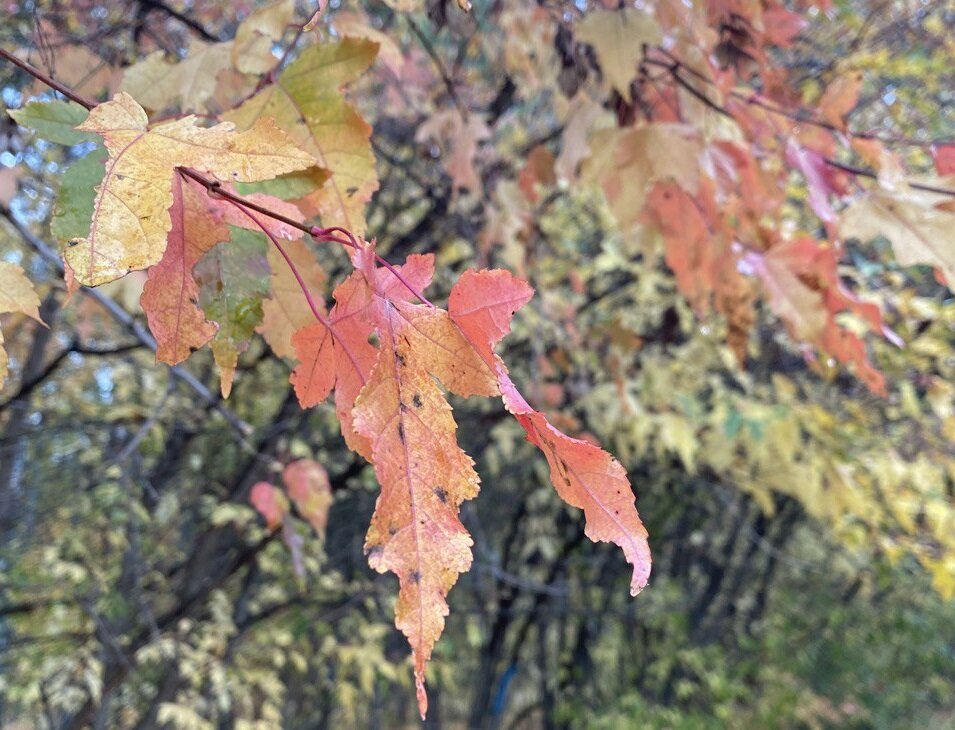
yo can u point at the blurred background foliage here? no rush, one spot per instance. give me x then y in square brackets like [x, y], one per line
[802, 528]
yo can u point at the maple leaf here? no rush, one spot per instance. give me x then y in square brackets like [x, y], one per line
[840, 98]
[424, 475]
[233, 280]
[585, 476]
[460, 138]
[16, 295]
[171, 295]
[338, 353]
[73, 209]
[307, 485]
[624, 161]
[270, 502]
[919, 224]
[306, 101]
[252, 47]
[157, 83]
[131, 207]
[801, 278]
[286, 310]
[619, 36]
[702, 259]
[54, 120]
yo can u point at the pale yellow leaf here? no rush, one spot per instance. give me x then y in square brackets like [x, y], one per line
[920, 227]
[618, 37]
[130, 211]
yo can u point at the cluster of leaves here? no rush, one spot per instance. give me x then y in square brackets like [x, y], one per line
[710, 156]
[154, 209]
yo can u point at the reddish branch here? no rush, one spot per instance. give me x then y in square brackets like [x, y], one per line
[214, 187]
[304, 287]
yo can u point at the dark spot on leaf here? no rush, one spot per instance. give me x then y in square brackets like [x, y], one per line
[415, 576]
[73, 242]
[441, 494]
[401, 359]
[392, 530]
[351, 191]
[416, 400]
[401, 431]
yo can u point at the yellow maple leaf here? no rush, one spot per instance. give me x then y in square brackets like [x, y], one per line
[130, 211]
[618, 37]
[918, 223]
[16, 295]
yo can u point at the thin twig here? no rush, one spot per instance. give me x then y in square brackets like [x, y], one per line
[438, 64]
[182, 18]
[674, 69]
[48, 80]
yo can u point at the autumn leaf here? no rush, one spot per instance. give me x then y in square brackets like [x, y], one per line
[585, 476]
[840, 98]
[458, 139]
[286, 311]
[252, 47]
[338, 354]
[54, 120]
[424, 475]
[158, 83]
[306, 101]
[799, 305]
[233, 280]
[130, 211]
[307, 485]
[701, 257]
[618, 37]
[625, 161]
[269, 501]
[16, 295]
[171, 295]
[917, 223]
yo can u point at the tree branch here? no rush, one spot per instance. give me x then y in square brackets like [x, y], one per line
[182, 18]
[242, 428]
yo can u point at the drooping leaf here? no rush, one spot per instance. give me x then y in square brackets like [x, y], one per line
[618, 36]
[233, 280]
[130, 211]
[171, 295]
[269, 502]
[919, 225]
[424, 475]
[54, 120]
[584, 475]
[307, 484]
[16, 295]
[702, 258]
[73, 209]
[306, 101]
[286, 311]
[158, 83]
